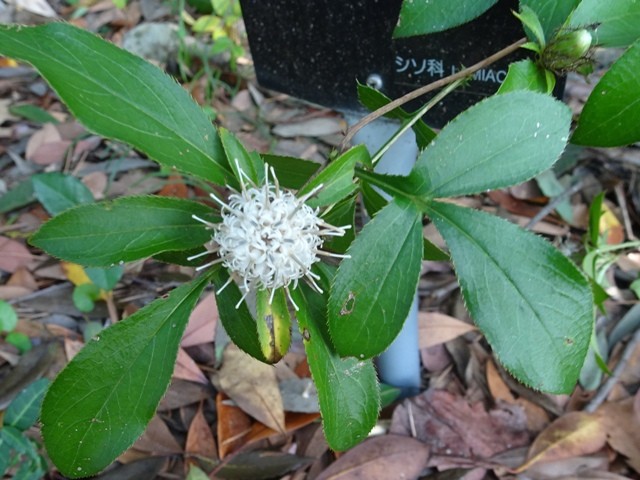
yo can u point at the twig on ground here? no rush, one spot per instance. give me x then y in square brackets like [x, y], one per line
[549, 207]
[606, 387]
[622, 202]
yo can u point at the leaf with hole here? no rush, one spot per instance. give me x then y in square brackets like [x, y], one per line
[347, 387]
[374, 289]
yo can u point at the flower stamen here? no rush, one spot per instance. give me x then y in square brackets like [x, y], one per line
[268, 237]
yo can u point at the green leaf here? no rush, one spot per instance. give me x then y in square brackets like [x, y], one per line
[123, 230]
[532, 25]
[615, 23]
[373, 290]
[19, 340]
[532, 304]
[84, 297]
[430, 251]
[525, 75]
[347, 387]
[421, 17]
[118, 95]
[251, 165]
[238, 322]
[551, 186]
[503, 140]
[105, 278]
[58, 192]
[105, 397]
[8, 317]
[373, 201]
[610, 116]
[374, 99]
[18, 196]
[336, 179]
[23, 411]
[292, 172]
[33, 113]
[342, 214]
[551, 13]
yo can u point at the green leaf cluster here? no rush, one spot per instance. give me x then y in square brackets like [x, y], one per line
[19, 456]
[533, 305]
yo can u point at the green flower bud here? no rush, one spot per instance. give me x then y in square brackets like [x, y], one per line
[568, 51]
[273, 323]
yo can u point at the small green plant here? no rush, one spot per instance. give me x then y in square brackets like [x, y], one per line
[19, 454]
[8, 323]
[220, 21]
[284, 231]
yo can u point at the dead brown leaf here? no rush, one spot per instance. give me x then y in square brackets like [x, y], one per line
[436, 328]
[622, 424]
[200, 439]
[377, 457]
[253, 386]
[175, 187]
[293, 421]
[13, 255]
[97, 183]
[186, 369]
[537, 417]
[23, 278]
[572, 435]
[233, 425]
[47, 146]
[202, 323]
[156, 440]
[452, 426]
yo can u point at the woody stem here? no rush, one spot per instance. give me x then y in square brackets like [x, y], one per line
[465, 72]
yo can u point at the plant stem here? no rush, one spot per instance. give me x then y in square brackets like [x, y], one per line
[465, 72]
[416, 116]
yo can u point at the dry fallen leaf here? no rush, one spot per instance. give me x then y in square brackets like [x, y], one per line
[47, 146]
[436, 328]
[537, 417]
[452, 426]
[186, 369]
[200, 439]
[622, 424]
[572, 435]
[157, 439]
[13, 255]
[233, 425]
[377, 457]
[253, 386]
[202, 323]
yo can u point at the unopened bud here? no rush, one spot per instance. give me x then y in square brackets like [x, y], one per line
[273, 323]
[568, 51]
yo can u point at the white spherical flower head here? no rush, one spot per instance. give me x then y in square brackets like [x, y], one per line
[269, 237]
